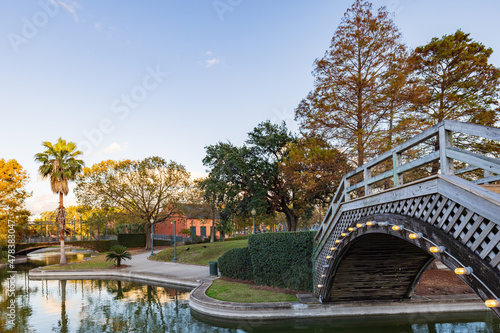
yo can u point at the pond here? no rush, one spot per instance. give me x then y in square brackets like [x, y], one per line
[124, 306]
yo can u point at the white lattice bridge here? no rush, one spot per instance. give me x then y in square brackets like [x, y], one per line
[380, 233]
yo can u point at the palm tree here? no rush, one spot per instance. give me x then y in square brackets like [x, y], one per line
[117, 254]
[59, 163]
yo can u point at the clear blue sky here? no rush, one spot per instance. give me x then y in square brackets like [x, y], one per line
[219, 68]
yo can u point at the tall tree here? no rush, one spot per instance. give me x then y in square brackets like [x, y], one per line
[213, 192]
[461, 84]
[149, 189]
[348, 102]
[312, 171]
[270, 174]
[402, 95]
[13, 194]
[60, 163]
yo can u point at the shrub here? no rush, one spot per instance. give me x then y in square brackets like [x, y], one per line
[236, 264]
[237, 237]
[117, 254]
[132, 240]
[186, 232]
[3, 257]
[197, 239]
[96, 245]
[282, 259]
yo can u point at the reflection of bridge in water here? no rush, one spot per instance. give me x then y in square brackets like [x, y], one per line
[380, 233]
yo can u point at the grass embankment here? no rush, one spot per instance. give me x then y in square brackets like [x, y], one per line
[245, 293]
[199, 254]
[97, 262]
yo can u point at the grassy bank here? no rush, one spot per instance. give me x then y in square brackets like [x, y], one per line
[199, 254]
[97, 262]
[245, 293]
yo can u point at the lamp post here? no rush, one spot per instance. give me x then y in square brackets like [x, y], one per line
[152, 221]
[253, 216]
[175, 241]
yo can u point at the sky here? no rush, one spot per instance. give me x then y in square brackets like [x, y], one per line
[133, 79]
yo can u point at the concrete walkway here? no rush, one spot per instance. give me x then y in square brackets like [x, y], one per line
[141, 268]
[141, 264]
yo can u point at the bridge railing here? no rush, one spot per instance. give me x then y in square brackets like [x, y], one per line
[55, 239]
[441, 154]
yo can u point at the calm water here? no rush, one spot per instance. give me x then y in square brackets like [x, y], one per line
[121, 306]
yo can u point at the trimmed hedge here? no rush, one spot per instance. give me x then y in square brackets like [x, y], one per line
[236, 264]
[235, 238]
[132, 240]
[283, 259]
[97, 245]
[280, 259]
[139, 240]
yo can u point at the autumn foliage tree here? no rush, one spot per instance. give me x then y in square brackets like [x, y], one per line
[13, 194]
[348, 104]
[460, 83]
[148, 189]
[312, 170]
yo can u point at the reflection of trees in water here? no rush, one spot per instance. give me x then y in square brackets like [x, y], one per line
[62, 324]
[23, 310]
[120, 306]
[148, 309]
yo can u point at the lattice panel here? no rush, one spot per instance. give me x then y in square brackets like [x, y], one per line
[476, 232]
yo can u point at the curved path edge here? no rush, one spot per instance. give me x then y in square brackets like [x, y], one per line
[37, 274]
[201, 303]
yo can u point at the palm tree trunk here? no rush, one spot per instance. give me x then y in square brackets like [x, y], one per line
[64, 316]
[62, 227]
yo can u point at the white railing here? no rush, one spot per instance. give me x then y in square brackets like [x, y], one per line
[445, 156]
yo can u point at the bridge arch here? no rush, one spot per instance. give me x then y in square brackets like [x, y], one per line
[378, 260]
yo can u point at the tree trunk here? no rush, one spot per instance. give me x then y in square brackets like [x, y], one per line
[212, 230]
[62, 227]
[148, 236]
[436, 166]
[291, 219]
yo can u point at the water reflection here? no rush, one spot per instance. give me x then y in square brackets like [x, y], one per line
[97, 306]
[123, 306]
[50, 256]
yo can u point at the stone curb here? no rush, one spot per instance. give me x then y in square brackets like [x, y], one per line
[201, 303]
[38, 274]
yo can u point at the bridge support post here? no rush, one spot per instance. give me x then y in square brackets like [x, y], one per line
[347, 194]
[367, 175]
[445, 140]
[396, 162]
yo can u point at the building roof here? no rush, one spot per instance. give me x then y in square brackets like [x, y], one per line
[198, 211]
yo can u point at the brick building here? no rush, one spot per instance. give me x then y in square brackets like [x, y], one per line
[197, 218]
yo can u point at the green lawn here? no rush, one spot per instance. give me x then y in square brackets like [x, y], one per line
[245, 293]
[97, 262]
[199, 254]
